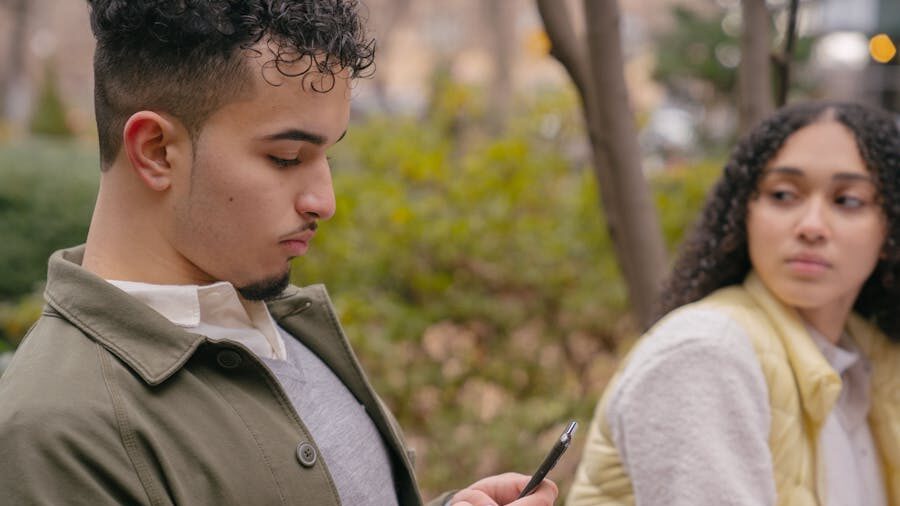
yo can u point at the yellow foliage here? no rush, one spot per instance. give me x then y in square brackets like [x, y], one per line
[15, 319]
[538, 43]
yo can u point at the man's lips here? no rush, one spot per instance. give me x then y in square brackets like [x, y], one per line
[297, 243]
[304, 236]
[295, 248]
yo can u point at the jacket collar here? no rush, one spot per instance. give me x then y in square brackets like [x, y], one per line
[150, 344]
[818, 384]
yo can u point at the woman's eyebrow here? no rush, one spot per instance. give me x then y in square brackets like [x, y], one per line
[842, 176]
[853, 176]
[789, 171]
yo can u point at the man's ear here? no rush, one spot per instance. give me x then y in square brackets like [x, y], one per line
[153, 143]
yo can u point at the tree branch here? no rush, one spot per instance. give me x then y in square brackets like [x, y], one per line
[563, 43]
[643, 257]
[755, 72]
[784, 62]
[596, 66]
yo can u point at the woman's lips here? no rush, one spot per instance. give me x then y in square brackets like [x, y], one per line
[808, 264]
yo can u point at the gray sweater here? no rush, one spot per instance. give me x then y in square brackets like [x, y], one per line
[690, 415]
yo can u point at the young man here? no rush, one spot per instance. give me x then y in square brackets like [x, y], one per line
[173, 363]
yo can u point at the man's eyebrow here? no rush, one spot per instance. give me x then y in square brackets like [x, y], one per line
[295, 134]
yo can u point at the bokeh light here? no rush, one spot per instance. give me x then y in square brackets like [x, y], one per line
[882, 48]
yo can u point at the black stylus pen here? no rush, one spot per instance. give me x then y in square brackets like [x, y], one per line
[562, 444]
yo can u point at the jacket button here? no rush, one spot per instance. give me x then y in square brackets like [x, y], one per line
[306, 454]
[229, 359]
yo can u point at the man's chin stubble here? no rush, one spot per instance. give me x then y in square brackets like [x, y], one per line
[267, 288]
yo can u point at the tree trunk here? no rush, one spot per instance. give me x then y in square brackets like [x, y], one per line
[754, 74]
[598, 73]
[787, 57]
[499, 14]
[12, 82]
[390, 14]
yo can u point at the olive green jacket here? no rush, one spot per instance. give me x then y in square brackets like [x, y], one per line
[107, 402]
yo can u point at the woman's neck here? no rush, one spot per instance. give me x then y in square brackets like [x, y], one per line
[829, 321]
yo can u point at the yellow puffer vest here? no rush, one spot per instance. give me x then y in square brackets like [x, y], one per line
[802, 390]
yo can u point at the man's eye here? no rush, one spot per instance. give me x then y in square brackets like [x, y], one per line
[284, 162]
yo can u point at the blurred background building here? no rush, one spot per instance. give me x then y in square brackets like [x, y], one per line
[843, 30]
[499, 45]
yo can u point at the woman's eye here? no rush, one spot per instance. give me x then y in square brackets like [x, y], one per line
[849, 201]
[782, 195]
[284, 162]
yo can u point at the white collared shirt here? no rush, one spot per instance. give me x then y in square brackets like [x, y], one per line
[215, 311]
[852, 475]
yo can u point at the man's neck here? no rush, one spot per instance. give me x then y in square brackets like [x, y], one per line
[123, 243]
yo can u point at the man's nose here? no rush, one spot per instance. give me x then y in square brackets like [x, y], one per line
[316, 197]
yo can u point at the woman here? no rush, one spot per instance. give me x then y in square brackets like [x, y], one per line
[774, 376]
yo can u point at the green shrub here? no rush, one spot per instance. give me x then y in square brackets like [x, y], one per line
[49, 115]
[47, 192]
[16, 318]
[679, 194]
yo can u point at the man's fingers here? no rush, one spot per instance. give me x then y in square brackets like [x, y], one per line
[472, 497]
[503, 489]
[545, 494]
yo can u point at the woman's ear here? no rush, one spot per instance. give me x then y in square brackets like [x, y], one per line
[152, 143]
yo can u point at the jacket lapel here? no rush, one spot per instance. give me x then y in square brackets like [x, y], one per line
[308, 315]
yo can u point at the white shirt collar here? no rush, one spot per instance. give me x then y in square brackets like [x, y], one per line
[841, 355]
[851, 473]
[214, 310]
[849, 363]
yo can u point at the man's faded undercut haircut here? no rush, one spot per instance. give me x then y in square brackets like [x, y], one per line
[188, 58]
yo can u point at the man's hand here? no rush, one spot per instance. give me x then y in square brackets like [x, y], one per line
[503, 489]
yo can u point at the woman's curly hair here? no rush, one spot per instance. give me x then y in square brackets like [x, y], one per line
[715, 254]
[188, 57]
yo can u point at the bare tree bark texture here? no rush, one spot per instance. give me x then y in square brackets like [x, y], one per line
[390, 14]
[597, 68]
[787, 56]
[15, 53]
[754, 73]
[499, 14]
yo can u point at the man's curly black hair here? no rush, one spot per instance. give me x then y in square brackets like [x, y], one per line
[715, 254]
[188, 57]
